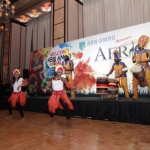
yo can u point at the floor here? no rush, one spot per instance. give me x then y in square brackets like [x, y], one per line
[36, 133]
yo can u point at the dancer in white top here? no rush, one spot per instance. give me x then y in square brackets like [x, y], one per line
[17, 98]
[54, 101]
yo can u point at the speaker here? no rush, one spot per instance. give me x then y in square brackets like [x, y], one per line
[0, 78]
[25, 76]
[25, 73]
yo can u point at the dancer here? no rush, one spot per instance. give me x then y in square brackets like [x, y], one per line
[17, 98]
[142, 56]
[54, 101]
[120, 75]
[68, 68]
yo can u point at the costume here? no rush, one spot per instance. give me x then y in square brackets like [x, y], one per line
[118, 71]
[58, 92]
[68, 74]
[141, 56]
[17, 98]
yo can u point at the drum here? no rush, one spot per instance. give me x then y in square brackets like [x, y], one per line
[139, 74]
[112, 86]
[142, 83]
[102, 85]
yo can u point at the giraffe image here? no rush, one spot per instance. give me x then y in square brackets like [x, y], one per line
[131, 51]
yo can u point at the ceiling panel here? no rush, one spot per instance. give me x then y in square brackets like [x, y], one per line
[22, 6]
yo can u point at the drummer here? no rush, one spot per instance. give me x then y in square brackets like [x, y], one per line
[120, 73]
[142, 56]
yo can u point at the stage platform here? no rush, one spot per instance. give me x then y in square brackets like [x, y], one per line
[121, 110]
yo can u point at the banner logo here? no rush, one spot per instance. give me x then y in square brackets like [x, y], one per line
[81, 46]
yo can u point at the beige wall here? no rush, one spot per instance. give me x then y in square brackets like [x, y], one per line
[59, 22]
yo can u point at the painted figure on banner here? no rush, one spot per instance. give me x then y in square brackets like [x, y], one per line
[36, 71]
[120, 73]
[141, 71]
[18, 97]
[68, 68]
[59, 98]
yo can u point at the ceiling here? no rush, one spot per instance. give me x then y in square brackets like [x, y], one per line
[22, 6]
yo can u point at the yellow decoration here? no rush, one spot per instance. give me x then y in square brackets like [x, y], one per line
[66, 52]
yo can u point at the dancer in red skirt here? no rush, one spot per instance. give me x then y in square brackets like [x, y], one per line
[17, 98]
[54, 101]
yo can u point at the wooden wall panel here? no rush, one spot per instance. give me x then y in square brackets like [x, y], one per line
[7, 36]
[58, 41]
[5, 71]
[59, 31]
[72, 20]
[71, 13]
[59, 21]
[59, 16]
[5, 59]
[6, 53]
[58, 4]
[6, 48]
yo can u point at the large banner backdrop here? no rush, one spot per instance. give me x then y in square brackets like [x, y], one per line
[92, 57]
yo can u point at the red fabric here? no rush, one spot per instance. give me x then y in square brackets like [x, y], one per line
[24, 81]
[53, 102]
[22, 98]
[17, 97]
[60, 68]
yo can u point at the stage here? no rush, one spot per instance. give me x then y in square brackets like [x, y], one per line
[95, 108]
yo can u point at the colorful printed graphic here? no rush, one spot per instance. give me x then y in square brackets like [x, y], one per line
[92, 57]
[83, 79]
[77, 55]
[36, 71]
